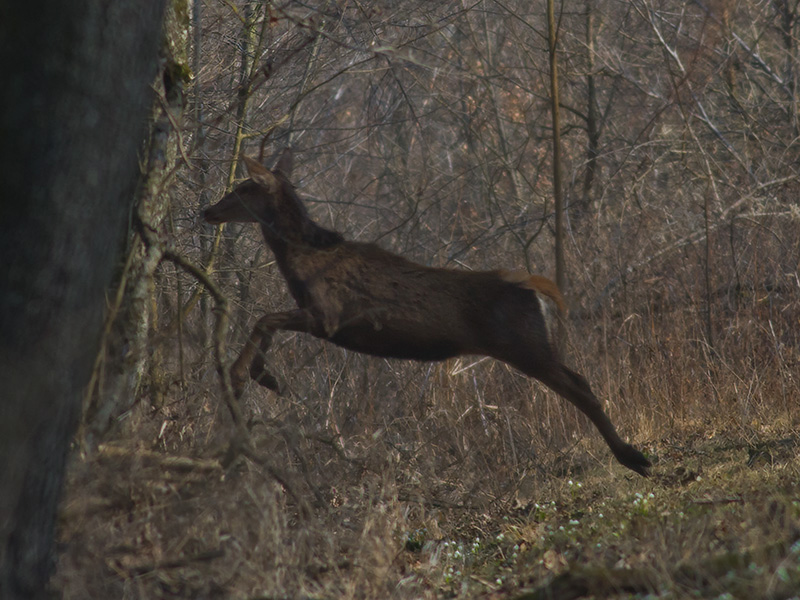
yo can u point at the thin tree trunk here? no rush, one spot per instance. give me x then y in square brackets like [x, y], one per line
[707, 267]
[200, 161]
[123, 364]
[558, 199]
[250, 48]
[592, 131]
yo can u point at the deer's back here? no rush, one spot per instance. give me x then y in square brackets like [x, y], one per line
[374, 301]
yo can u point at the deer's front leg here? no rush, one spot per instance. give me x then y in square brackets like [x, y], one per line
[251, 361]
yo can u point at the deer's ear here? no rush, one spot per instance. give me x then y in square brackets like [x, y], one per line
[285, 162]
[260, 174]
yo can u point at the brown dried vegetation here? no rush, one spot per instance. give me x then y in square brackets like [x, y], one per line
[384, 478]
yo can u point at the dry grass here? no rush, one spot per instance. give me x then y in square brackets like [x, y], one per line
[464, 478]
[461, 478]
[404, 480]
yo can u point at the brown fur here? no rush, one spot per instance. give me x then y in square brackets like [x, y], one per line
[366, 299]
[537, 283]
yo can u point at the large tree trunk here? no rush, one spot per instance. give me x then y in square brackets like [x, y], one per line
[76, 79]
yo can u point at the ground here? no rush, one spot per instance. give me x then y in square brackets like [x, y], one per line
[718, 518]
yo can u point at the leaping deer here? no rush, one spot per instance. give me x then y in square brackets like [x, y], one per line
[369, 300]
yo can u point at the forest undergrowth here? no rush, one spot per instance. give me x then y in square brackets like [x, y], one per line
[427, 128]
[391, 479]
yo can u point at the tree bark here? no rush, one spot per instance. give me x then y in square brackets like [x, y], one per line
[76, 81]
[558, 196]
[125, 361]
[592, 130]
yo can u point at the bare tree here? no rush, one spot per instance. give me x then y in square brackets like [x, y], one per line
[125, 363]
[558, 196]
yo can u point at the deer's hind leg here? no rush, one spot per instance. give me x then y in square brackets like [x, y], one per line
[252, 360]
[575, 388]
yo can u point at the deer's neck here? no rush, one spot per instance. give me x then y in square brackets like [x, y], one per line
[296, 248]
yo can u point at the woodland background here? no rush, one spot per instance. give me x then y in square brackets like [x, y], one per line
[426, 127]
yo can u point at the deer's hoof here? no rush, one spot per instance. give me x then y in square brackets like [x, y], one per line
[634, 460]
[264, 378]
[268, 381]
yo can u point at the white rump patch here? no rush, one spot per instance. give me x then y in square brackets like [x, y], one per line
[550, 316]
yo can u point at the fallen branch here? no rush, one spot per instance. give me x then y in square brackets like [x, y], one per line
[164, 461]
[175, 563]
